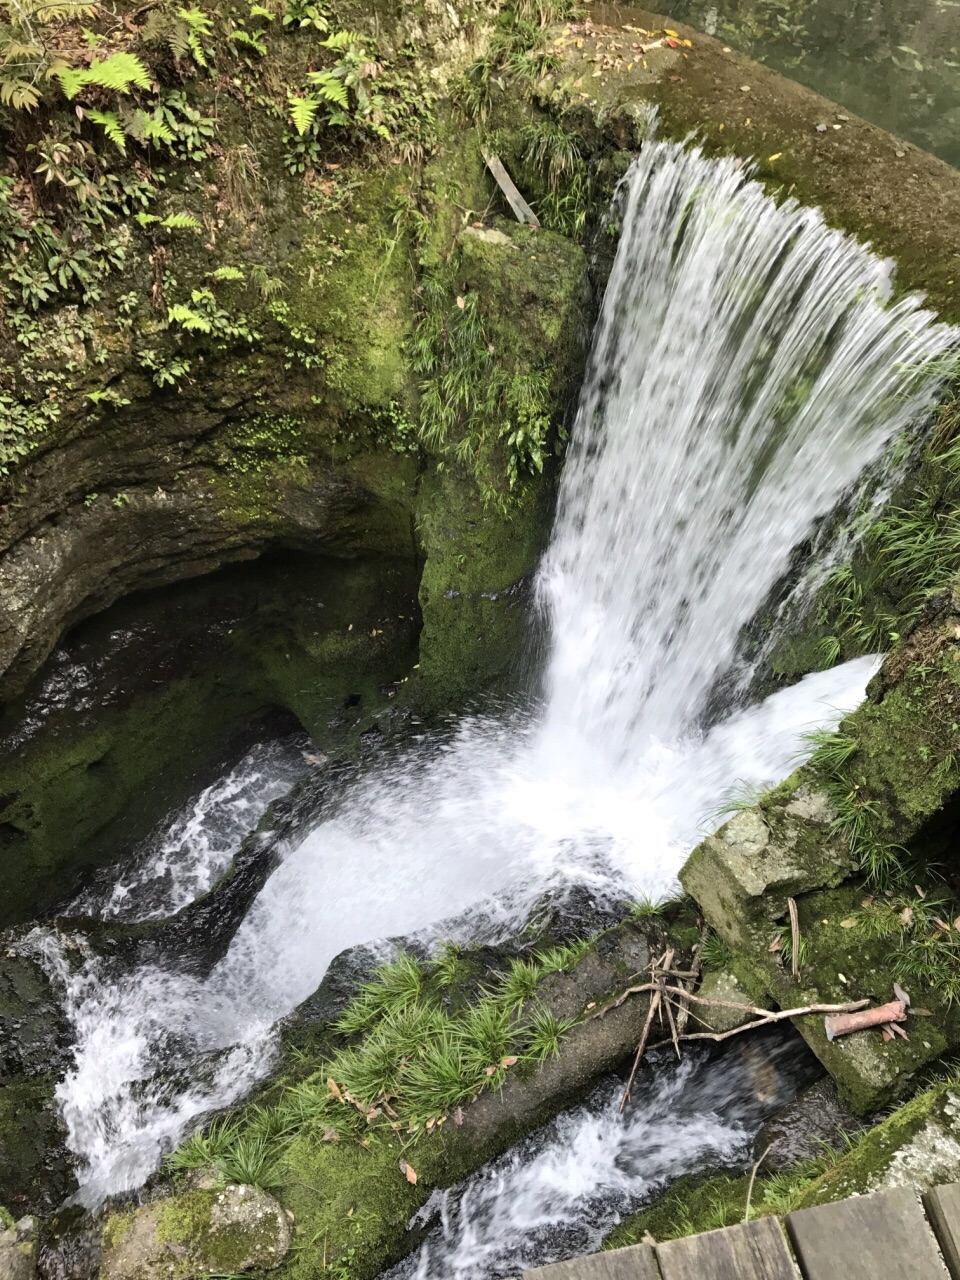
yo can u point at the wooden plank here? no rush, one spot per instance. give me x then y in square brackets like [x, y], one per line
[521, 209]
[884, 1234]
[753, 1251]
[943, 1213]
[635, 1263]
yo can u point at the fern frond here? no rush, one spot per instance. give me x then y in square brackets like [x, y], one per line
[198, 25]
[111, 126]
[341, 40]
[228, 273]
[118, 72]
[303, 111]
[19, 94]
[66, 11]
[329, 87]
[187, 318]
[180, 221]
[147, 128]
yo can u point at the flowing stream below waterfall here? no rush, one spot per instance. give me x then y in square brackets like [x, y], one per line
[748, 368]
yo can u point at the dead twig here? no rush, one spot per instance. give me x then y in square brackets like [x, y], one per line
[753, 1178]
[781, 1015]
[795, 938]
[658, 993]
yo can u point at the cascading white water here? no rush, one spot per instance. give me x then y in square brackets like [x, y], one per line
[743, 375]
[560, 1191]
[187, 856]
[745, 371]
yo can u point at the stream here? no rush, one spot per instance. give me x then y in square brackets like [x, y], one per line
[749, 367]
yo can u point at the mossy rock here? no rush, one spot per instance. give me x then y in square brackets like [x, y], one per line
[218, 1230]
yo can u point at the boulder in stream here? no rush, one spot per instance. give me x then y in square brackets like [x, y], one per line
[18, 1250]
[201, 1232]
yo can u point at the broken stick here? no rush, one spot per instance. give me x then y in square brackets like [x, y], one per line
[895, 1011]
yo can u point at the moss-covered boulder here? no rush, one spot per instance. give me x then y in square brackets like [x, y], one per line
[219, 1230]
[18, 1249]
[743, 875]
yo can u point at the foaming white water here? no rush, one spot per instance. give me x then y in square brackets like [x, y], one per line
[558, 1193]
[744, 372]
[429, 840]
[185, 858]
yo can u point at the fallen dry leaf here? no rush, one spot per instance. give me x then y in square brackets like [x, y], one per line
[409, 1172]
[848, 923]
[509, 1062]
[334, 1089]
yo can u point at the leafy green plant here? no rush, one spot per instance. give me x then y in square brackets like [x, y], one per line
[491, 419]
[714, 952]
[544, 1032]
[397, 986]
[926, 938]
[647, 908]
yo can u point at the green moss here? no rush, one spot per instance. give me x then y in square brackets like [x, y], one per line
[692, 1204]
[186, 1220]
[351, 1203]
[117, 1226]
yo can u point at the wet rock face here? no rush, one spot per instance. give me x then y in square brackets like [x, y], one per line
[35, 1172]
[227, 1230]
[18, 1251]
[801, 1131]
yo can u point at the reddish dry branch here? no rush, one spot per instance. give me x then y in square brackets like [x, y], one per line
[843, 1024]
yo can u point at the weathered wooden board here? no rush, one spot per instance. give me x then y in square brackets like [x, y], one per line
[521, 209]
[884, 1234]
[635, 1263]
[753, 1251]
[943, 1213]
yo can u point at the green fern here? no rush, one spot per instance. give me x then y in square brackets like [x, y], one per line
[303, 111]
[180, 222]
[111, 126]
[188, 319]
[198, 26]
[119, 72]
[329, 87]
[341, 40]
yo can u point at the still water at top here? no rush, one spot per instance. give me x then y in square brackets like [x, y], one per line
[895, 62]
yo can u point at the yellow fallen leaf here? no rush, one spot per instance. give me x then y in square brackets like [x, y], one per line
[334, 1089]
[848, 923]
[675, 35]
[777, 155]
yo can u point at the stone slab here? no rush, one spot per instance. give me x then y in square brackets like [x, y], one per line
[635, 1263]
[943, 1213]
[885, 1234]
[752, 1251]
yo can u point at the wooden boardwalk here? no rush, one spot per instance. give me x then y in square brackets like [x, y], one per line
[890, 1234]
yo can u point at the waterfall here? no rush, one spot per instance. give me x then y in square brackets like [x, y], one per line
[747, 366]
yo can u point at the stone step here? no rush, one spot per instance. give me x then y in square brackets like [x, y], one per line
[889, 1233]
